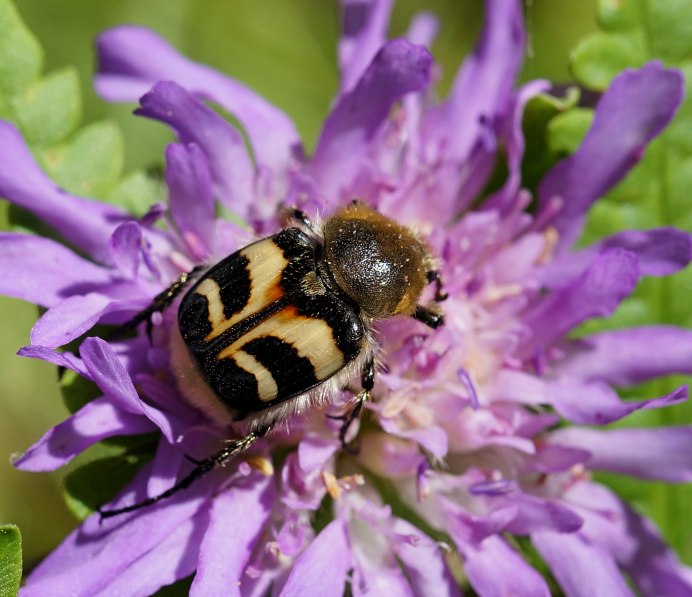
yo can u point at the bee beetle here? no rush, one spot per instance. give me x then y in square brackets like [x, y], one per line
[277, 327]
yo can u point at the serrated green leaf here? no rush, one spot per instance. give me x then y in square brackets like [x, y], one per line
[90, 164]
[655, 193]
[50, 109]
[22, 57]
[10, 560]
[599, 58]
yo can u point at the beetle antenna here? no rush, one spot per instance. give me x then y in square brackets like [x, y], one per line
[203, 467]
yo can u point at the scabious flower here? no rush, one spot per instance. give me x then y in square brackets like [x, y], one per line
[481, 432]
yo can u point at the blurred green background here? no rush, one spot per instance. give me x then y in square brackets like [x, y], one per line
[285, 50]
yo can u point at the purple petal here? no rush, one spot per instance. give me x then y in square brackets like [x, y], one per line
[634, 110]
[230, 166]
[632, 540]
[514, 144]
[481, 90]
[654, 566]
[423, 29]
[596, 293]
[96, 421]
[95, 554]
[397, 69]
[364, 32]
[61, 359]
[126, 248]
[630, 356]
[467, 529]
[324, 564]
[173, 559]
[191, 196]
[596, 403]
[239, 513]
[494, 568]
[165, 467]
[110, 375]
[44, 272]
[660, 251]
[84, 223]
[553, 458]
[69, 319]
[664, 453]
[581, 568]
[424, 563]
[124, 75]
[537, 514]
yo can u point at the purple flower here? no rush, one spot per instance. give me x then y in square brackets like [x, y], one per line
[483, 394]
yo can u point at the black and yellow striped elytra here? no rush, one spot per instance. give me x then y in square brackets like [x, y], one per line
[276, 327]
[263, 327]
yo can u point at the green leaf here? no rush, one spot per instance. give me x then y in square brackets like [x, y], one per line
[22, 57]
[567, 130]
[539, 155]
[49, 109]
[655, 193]
[91, 164]
[77, 391]
[137, 192]
[10, 560]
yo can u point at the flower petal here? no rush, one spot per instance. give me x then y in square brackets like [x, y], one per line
[537, 514]
[191, 196]
[60, 359]
[664, 453]
[596, 403]
[634, 541]
[126, 248]
[110, 375]
[364, 32]
[44, 272]
[630, 356]
[173, 559]
[596, 293]
[230, 166]
[96, 553]
[124, 75]
[324, 564]
[581, 568]
[239, 512]
[69, 319]
[494, 569]
[635, 109]
[424, 562]
[481, 89]
[397, 69]
[84, 223]
[97, 420]
[660, 252]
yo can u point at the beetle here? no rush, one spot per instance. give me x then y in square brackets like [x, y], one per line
[277, 327]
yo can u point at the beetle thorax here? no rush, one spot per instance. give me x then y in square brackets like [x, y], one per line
[376, 262]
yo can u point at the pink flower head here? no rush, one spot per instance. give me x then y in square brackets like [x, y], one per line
[484, 429]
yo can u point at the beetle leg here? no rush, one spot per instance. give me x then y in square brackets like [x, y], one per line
[430, 317]
[367, 384]
[160, 302]
[303, 219]
[220, 458]
[440, 294]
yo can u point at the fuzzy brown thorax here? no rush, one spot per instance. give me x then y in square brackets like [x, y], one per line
[379, 264]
